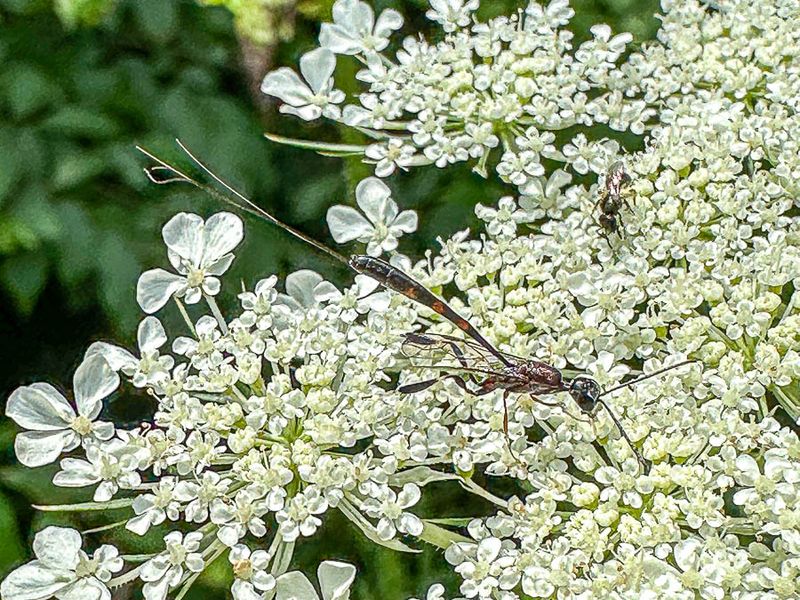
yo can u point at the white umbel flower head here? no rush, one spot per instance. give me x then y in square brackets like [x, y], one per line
[62, 570]
[53, 425]
[383, 224]
[200, 251]
[312, 98]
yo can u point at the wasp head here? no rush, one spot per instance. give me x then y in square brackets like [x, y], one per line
[585, 392]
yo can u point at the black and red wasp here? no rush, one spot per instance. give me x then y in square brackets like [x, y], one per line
[612, 198]
[503, 371]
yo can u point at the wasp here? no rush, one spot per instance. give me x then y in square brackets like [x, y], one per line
[612, 199]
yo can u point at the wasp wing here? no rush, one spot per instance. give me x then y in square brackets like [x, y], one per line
[464, 352]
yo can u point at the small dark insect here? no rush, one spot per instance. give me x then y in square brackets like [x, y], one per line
[495, 370]
[612, 199]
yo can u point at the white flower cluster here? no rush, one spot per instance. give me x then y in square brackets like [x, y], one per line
[271, 417]
[508, 84]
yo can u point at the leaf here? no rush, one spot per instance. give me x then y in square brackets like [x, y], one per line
[156, 18]
[81, 122]
[422, 476]
[28, 90]
[34, 207]
[85, 506]
[13, 167]
[323, 148]
[11, 550]
[74, 169]
[24, 276]
[360, 521]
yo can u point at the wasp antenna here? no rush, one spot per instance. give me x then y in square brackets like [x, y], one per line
[244, 203]
[623, 433]
[648, 376]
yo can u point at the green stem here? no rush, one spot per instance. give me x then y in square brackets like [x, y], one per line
[789, 404]
[185, 316]
[212, 304]
[474, 488]
[439, 536]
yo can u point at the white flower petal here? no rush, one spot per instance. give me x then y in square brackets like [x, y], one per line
[116, 357]
[34, 581]
[220, 265]
[183, 234]
[389, 20]
[285, 84]
[300, 285]
[223, 232]
[347, 224]
[294, 586]
[407, 221]
[57, 547]
[354, 15]
[317, 68]
[150, 335]
[76, 473]
[338, 39]
[155, 288]
[93, 381]
[309, 112]
[156, 590]
[37, 448]
[373, 196]
[335, 579]
[39, 407]
[325, 291]
[85, 589]
[244, 590]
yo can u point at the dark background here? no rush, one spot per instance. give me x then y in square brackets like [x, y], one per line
[82, 83]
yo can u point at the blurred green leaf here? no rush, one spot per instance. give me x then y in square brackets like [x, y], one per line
[76, 168]
[28, 90]
[12, 168]
[82, 12]
[156, 18]
[82, 122]
[11, 550]
[24, 276]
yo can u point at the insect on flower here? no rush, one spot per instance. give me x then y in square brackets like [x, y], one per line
[612, 199]
[494, 370]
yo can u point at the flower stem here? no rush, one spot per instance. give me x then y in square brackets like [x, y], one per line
[439, 536]
[282, 557]
[212, 304]
[185, 316]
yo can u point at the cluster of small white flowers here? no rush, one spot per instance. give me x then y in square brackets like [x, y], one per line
[272, 417]
[507, 84]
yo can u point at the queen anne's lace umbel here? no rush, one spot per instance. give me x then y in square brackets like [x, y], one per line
[272, 416]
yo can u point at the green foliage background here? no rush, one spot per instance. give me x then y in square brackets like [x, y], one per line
[84, 81]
